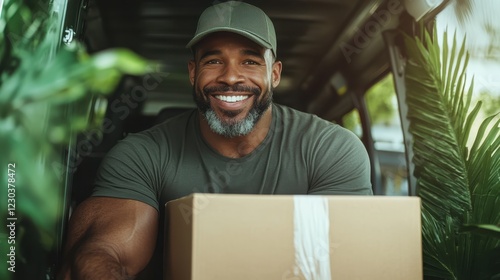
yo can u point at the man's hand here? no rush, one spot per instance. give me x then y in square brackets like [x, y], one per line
[109, 238]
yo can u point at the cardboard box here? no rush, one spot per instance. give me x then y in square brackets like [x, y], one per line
[229, 237]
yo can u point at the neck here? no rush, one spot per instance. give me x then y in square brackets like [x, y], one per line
[240, 146]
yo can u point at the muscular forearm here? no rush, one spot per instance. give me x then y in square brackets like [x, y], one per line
[109, 238]
[90, 262]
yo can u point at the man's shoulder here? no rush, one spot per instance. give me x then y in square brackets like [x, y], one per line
[311, 128]
[165, 131]
[294, 118]
[172, 124]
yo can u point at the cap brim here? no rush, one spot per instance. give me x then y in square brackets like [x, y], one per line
[196, 39]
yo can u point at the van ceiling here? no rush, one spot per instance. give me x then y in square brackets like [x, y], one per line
[309, 35]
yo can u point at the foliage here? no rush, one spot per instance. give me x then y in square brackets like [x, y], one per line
[379, 101]
[458, 184]
[491, 102]
[463, 10]
[491, 230]
[352, 121]
[46, 93]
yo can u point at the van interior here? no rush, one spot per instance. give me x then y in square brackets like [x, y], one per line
[332, 52]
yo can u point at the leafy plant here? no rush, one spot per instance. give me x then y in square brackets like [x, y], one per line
[46, 93]
[459, 184]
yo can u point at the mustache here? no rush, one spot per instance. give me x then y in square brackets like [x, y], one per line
[233, 88]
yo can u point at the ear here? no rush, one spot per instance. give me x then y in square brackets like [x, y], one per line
[276, 73]
[192, 71]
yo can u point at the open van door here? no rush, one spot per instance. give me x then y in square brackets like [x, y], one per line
[343, 60]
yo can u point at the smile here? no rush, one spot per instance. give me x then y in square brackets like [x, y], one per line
[232, 98]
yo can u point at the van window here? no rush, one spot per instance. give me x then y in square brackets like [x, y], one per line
[352, 122]
[387, 134]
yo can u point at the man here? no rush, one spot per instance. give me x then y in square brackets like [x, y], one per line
[237, 141]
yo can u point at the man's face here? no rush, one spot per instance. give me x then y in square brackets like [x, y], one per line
[232, 79]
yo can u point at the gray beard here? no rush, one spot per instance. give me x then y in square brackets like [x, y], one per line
[232, 128]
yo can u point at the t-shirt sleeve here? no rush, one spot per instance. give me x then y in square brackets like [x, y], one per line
[129, 171]
[341, 165]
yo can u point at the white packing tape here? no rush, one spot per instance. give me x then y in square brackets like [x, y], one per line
[312, 237]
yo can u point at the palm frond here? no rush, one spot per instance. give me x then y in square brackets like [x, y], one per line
[439, 159]
[490, 230]
[458, 184]
[463, 10]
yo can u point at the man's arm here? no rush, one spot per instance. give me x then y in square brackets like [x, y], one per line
[109, 238]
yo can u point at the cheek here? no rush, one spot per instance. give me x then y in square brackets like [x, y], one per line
[260, 77]
[203, 78]
[269, 74]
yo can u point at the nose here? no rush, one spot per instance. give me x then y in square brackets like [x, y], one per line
[230, 74]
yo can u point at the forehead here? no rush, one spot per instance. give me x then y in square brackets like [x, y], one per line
[222, 40]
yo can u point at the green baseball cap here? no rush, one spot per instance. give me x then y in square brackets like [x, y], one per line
[237, 17]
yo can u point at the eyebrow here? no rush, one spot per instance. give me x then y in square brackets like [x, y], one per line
[209, 53]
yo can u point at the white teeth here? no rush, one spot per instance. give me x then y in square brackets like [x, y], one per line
[231, 98]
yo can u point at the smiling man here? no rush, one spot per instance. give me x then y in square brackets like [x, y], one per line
[236, 141]
[233, 78]
[232, 84]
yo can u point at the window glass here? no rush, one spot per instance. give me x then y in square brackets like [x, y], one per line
[382, 105]
[352, 122]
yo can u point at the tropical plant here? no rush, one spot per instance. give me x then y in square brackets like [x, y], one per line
[459, 184]
[46, 93]
[463, 10]
[491, 102]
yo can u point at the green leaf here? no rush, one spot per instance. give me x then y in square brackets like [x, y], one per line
[489, 230]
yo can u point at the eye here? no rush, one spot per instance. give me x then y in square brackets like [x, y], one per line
[213, 61]
[250, 62]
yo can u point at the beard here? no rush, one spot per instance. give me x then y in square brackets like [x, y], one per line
[231, 127]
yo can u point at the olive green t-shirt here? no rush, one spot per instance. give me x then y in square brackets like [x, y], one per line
[301, 154]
